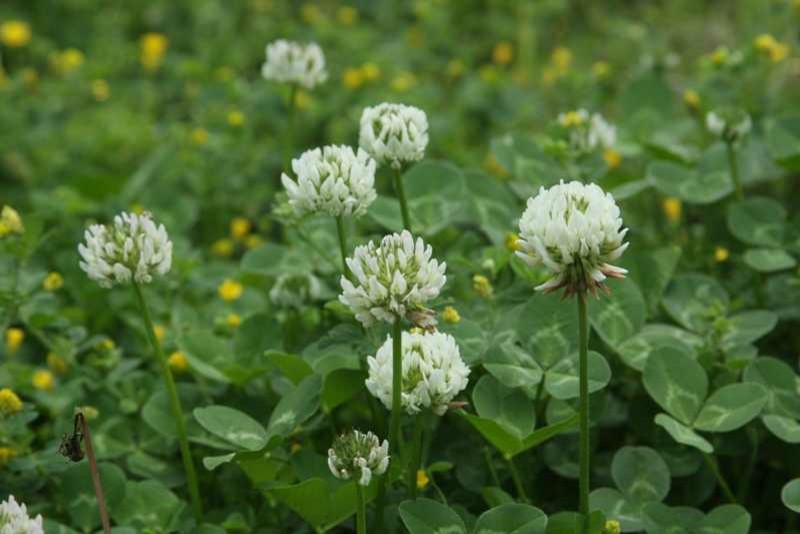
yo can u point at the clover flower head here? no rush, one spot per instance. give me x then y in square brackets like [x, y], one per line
[295, 290]
[296, 63]
[132, 248]
[14, 519]
[433, 372]
[394, 133]
[357, 456]
[574, 230]
[588, 132]
[335, 180]
[729, 125]
[393, 279]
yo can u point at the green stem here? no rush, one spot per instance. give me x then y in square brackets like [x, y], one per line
[744, 484]
[487, 454]
[401, 196]
[415, 457]
[175, 404]
[726, 489]
[290, 112]
[517, 480]
[342, 244]
[737, 182]
[361, 512]
[585, 459]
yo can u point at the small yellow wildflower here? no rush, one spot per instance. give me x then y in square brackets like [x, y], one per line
[253, 241]
[153, 47]
[67, 60]
[233, 320]
[612, 157]
[561, 59]
[240, 227]
[353, 78]
[455, 68]
[100, 90]
[43, 380]
[612, 527]
[779, 52]
[160, 331]
[503, 53]
[89, 412]
[601, 70]
[6, 454]
[230, 290]
[482, 286]
[692, 99]
[404, 82]
[57, 364]
[672, 207]
[107, 344]
[764, 42]
[721, 254]
[571, 119]
[422, 479]
[371, 71]
[347, 15]
[223, 248]
[235, 118]
[199, 136]
[311, 13]
[451, 315]
[14, 338]
[303, 100]
[53, 282]
[10, 222]
[512, 242]
[720, 56]
[9, 402]
[15, 33]
[178, 362]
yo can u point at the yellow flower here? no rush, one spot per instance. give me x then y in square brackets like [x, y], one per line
[512, 242]
[107, 344]
[100, 90]
[347, 15]
[235, 118]
[404, 82]
[720, 56]
[160, 331]
[779, 52]
[371, 71]
[612, 157]
[89, 412]
[353, 78]
[43, 380]
[601, 70]
[422, 479]
[672, 208]
[57, 364]
[199, 136]
[310, 13]
[240, 227]
[153, 47]
[455, 68]
[692, 99]
[561, 59]
[67, 60]
[253, 241]
[178, 362]
[10, 222]
[15, 33]
[451, 315]
[302, 100]
[571, 119]
[612, 527]
[53, 282]
[230, 290]
[764, 42]
[223, 248]
[14, 338]
[6, 454]
[482, 286]
[233, 320]
[9, 402]
[721, 254]
[503, 53]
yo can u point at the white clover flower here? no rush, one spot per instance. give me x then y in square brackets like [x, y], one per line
[433, 372]
[294, 290]
[132, 248]
[291, 62]
[728, 125]
[574, 230]
[358, 456]
[394, 133]
[588, 132]
[14, 519]
[334, 180]
[393, 279]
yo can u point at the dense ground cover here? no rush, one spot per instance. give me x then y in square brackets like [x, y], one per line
[223, 363]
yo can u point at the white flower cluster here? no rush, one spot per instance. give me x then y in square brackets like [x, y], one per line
[588, 132]
[14, 519]
[334, 180]
[433, 372]
[358, 456]
[394, 133]
[133, 247]
[393, 279]
[295, 290]
[291, 62]
[574, 230]
[729, 126]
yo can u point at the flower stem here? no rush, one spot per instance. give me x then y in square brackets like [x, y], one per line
[726, 489]
[416, 455]
[732, 163]
[517, 479]
[361, 511]
[401, 196]
[585, 459]
[342, 244]
[175, 404]
[98, 486]
[397, 378]
[290, 111]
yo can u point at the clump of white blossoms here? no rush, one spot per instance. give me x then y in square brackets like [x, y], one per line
[358, 456]
[14, 519]
[730, 126]
[393, 279]
[588, 132]
[394, 133]
[295, 290]
[132, 248]
[574, 230]
[433, 372]
[334, 180]
[297, 63]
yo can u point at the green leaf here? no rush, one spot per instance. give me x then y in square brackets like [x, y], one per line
[725, 519]
[758, 221]
[784, 428]
[690, 185]
[511, 519]
[340, 386]
[233, 426]
[615, 506]
[769, 260]
[652, 271]
[292, 366]
[548, 326]
[641, 474]
[636, 350]
[620, 315]
[683, 434]
[783, 141]
[424, 516]
[437, 196]
[148, 505]
[295, 407]
[676, 382]
[512, 366]
[507, 442]
[778, 379]
[746, 327]
[731, 407]
[541, 435]
[562, 380]
[689, 298]
[76, 492]
[790, 495]
[508, 407]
